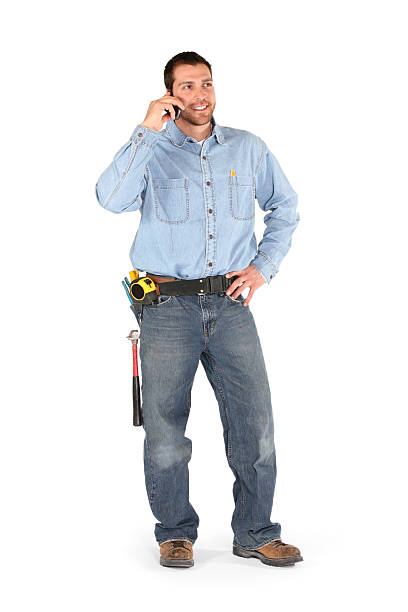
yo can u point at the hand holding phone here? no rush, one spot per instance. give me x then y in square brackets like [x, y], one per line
[154, 119]
[177, 110]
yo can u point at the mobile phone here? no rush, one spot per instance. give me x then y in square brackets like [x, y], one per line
[177, 110]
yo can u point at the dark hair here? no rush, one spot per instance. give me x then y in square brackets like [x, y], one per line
[186, 57]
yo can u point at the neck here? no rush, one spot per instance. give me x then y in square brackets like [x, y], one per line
[198, 132]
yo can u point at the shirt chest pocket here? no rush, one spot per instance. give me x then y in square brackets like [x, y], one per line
[241, 194]
[171, 199]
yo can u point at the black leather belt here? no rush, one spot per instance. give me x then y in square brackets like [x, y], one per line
[201, 286]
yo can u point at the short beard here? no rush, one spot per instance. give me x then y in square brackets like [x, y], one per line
[190, 119]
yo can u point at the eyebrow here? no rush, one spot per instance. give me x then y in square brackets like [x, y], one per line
[188, 82]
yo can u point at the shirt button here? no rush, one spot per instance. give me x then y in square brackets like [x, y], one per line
[140, 134]
[211, 235]
[208, 183]
[189, 140]
[270, 276]
[210, 211]
[204, 157]
[210, 263]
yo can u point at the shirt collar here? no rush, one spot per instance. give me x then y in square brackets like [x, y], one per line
[178, 137]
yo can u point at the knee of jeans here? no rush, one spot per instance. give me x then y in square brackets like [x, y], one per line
[166, 455]
[267, 447]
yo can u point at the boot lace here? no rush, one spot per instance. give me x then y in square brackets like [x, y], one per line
[277, 543]
[179, 544]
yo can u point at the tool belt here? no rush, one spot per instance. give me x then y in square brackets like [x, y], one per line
[144, 291]
[200, 286]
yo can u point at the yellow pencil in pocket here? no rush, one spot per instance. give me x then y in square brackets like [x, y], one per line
[232, 172]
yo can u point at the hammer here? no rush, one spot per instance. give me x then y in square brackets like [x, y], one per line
[137, 412]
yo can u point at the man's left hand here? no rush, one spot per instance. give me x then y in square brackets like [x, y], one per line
[248, 277]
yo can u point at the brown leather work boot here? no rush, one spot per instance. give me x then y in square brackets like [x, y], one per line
[274, 553]
[176, 553]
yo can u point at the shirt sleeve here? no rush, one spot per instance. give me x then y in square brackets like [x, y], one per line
[121, 186]
[275, 195]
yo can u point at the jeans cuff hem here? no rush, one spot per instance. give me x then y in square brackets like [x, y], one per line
[174, 539]
[259, 545]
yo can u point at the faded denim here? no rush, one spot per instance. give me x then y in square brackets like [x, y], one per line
[221, 333]
[197, 202]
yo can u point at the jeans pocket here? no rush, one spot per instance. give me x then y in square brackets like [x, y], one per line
[162, 300]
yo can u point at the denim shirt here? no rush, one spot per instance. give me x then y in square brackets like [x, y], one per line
[197, 202]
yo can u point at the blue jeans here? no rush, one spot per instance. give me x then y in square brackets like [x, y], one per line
[221, 333]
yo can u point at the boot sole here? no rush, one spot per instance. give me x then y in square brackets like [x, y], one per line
[176, 562]
[247, 554]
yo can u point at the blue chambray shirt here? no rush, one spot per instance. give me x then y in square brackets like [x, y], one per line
[197, 202]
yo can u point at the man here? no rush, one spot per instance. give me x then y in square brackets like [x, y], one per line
[195, 184]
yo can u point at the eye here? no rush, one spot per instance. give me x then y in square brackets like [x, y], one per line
[209, 84]
[186, 86]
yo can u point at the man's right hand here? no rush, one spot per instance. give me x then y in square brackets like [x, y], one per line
[154, 119]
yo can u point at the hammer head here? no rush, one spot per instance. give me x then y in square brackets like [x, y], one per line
[134, 335]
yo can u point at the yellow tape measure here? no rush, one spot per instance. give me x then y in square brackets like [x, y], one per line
[141, 287]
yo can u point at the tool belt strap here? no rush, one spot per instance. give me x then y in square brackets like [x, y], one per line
[201, 286]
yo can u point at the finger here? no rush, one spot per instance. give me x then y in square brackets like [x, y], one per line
[234, 273]
[237, 284]
[232, 287]
[248, 298]
[180, 104]
[170, 108]
[174, 100]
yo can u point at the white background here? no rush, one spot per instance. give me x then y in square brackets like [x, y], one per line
[324, 84]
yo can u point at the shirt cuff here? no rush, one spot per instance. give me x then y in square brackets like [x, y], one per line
[265, 266]
[145, 135]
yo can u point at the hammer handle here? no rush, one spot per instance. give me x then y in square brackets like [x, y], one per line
[137, 411]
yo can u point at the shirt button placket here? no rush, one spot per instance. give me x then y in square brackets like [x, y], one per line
[211, 228]
[211, 221]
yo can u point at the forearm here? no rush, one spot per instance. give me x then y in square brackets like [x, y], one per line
[277, 238]
[121, 185]
[275, 195]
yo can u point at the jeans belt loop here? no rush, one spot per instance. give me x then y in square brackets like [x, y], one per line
[216, 283]
[211, 282]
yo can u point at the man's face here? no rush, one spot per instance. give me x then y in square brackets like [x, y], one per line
[194, 86]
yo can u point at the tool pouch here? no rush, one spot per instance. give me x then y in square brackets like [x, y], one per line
[137, 307]
[137, 310]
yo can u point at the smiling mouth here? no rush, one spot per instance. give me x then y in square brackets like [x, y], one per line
[200, 110]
